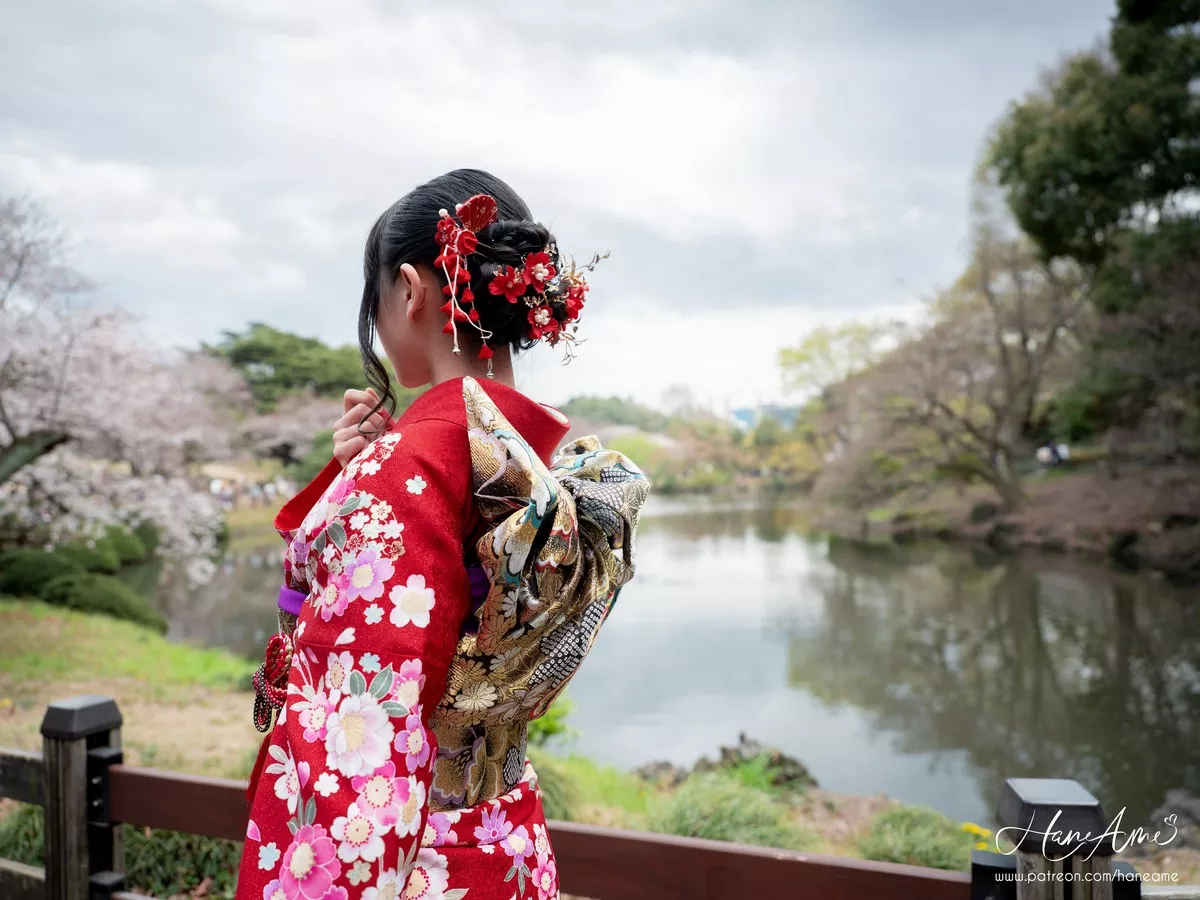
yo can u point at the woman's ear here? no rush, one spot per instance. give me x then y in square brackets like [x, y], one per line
[408, 279]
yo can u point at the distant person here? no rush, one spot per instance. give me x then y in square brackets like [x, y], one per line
[443, 576]
[1052, 454]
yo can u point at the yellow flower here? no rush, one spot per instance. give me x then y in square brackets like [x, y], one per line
[971, 828]
[981, 845]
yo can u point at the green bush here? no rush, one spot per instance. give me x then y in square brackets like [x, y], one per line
[560, 793]
[25, 573]
[92, 593]
[552, 723]
[918, 836]
[147, 533]
[100, 556]
[158, 863]
[723, 809]
[128, 545]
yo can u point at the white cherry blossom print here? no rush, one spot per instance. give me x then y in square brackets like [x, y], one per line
[387, 887]
[291, 777]
[326, 784]
[373, 614]
[370, 467]
[429, 877]
[411, 603]
[393, 530]
[358, 836]
[409, 821]
[416, 484]
[359, 736]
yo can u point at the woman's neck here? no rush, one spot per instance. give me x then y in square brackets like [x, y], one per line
[446, 366]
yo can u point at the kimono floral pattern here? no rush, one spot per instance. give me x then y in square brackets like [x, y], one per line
[396, 768]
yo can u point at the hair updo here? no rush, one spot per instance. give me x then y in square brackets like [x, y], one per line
[406, 233]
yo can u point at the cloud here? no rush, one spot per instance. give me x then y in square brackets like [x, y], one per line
[220, 162]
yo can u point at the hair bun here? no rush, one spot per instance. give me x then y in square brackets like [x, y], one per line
[506, 242]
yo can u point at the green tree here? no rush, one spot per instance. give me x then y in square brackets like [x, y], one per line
[1101, 165]
[828, 355]
[275, 362]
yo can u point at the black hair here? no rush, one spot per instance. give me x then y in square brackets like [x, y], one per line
[405, 233]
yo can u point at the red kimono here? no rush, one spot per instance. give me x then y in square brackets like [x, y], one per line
[396, 765]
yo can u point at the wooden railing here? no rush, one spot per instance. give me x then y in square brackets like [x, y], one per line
[86, 790]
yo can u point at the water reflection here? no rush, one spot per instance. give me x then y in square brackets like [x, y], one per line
[1033, 667]
[923, 672]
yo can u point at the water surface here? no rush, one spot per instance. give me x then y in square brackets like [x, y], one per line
[926, 673]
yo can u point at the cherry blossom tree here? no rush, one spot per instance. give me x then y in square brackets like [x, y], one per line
[97, 424]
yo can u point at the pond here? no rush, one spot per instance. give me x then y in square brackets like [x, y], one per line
[923, 672]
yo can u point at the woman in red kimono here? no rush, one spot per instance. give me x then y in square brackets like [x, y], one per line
[440, 588]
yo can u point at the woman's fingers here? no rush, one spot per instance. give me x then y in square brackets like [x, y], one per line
[356, 414]
[354, 397]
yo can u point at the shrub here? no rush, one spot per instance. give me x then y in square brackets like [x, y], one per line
[560, 794]
[25, 573]
[158, 863]
[147, 533]
[918, 836]
[552, 723]
[723, 809]
[100, 556]
[92, 593]
[128, 545]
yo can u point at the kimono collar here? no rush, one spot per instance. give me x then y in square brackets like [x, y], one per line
[543, 427]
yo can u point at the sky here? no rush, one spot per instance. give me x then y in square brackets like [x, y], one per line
[755, 167]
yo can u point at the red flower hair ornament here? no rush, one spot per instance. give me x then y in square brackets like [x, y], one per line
[555, 299]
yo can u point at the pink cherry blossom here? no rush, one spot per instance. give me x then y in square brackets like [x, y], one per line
[365, 575]
[358, 737]
[413, 742]
[359, 835]
[545, 877]
[310, 865]
[440, 822]
[409, 683]
[518, 844]
[314, 715]
[381, 795]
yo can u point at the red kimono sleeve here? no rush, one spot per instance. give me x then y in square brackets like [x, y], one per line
[341, 809]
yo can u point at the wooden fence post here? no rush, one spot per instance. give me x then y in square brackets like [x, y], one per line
[81, 738]
[1063, 850]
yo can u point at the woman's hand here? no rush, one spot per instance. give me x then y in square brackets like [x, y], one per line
[348, 441]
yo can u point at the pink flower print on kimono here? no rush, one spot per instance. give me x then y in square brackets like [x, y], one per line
[314, 712]
[413, 742]
[410, 681]
[310, 865]
[359, 836]
[359, 736]
[362, 578]
[439, 829]
[495, 828]
[383, 795]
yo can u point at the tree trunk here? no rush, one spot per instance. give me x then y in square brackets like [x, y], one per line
[26, 449]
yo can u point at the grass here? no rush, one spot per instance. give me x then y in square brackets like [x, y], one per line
[918, 836]
[158, 863]
[40, 643]
[721, 808]
[182, 705]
